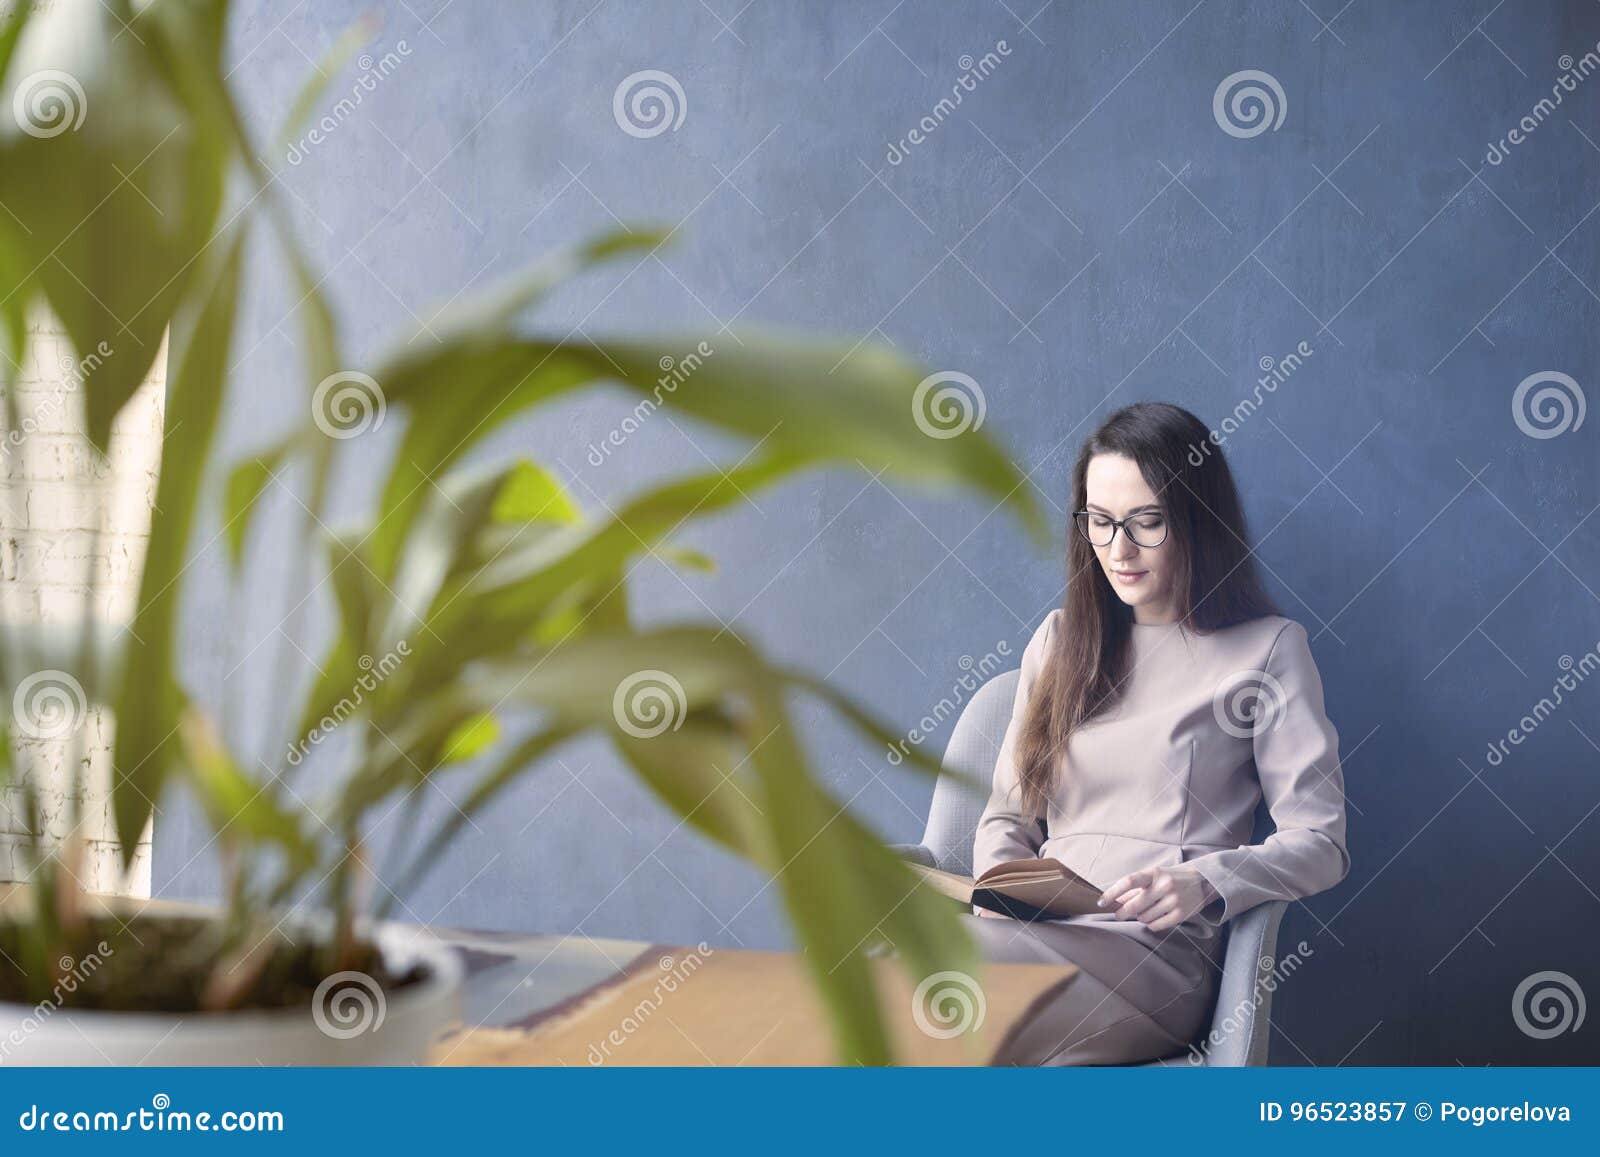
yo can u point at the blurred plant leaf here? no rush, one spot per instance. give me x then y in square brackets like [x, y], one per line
[15, 20]
[14, 289]
[474, 390]
[246, 483]
[587, 683]
[828, 904]
[456, 515]
[502, 775]
[699, 771]
[487, 315]
[149, 701]
[322, 73]
[470, 739]
[469, 521]
[464, 374]
[14, 299]
[188, 37]
[238, 807]
[357, 597]
[816, 401]
[915, 757]
[843, 889]
[587, 606]
[488, 610]
[118, 175]
[532, 494]
[354, 589]
[804, 401]
[593, 680]
[687, 558]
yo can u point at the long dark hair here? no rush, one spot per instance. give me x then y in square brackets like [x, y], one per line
[1214, 576]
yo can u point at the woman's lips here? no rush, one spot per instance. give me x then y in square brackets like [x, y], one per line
[1129, 578]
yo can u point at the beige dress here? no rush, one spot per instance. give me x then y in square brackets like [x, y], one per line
[1206, 727]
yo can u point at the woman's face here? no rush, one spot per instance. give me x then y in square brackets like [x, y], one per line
[1141, 575]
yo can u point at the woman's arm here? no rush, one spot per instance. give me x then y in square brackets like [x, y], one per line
[1297, 760]
[1003, 832]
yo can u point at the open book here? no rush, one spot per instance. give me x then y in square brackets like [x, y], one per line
[1024, 889]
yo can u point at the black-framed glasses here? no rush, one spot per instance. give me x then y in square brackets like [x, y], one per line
[1146, 530]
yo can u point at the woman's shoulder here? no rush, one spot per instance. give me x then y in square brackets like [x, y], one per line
[1263, 636]
[1038, 644]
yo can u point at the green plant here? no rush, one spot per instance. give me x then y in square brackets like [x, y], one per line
[499, 593]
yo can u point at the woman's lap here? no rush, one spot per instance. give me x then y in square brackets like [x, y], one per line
[1129, 1002]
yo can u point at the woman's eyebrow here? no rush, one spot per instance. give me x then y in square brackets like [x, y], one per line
[1149, 508]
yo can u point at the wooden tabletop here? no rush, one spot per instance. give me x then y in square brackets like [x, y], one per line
[579, 1000]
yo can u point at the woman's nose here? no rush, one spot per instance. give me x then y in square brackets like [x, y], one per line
[1121, 548]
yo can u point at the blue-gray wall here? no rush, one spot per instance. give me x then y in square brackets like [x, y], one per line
[1079, 233]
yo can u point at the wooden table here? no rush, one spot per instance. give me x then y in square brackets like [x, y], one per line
[577, 1000]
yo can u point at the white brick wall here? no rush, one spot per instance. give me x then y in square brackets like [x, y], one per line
[55, 492]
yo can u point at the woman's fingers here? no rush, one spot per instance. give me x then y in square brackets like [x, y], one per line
[1118, 891]
[1138, 903]
[1165, 912]
[1159, 899]
[1161, 889]
[1166, 922]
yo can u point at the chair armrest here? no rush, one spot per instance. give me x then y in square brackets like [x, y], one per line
[916, 853]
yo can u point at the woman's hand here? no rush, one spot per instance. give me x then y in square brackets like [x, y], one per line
[1160, 899]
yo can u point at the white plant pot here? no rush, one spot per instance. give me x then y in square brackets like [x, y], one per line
[351, 1028]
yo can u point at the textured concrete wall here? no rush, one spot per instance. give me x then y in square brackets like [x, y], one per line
[1081, 231]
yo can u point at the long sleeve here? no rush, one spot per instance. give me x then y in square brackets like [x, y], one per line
[1003, 833]
[1297, 760]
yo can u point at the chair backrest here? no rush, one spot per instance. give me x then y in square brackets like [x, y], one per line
[972, 752]
[1240, 1025]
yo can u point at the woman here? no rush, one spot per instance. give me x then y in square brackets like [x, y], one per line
[1155, 710]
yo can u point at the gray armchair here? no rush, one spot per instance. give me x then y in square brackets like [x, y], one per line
[1241, 1023]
